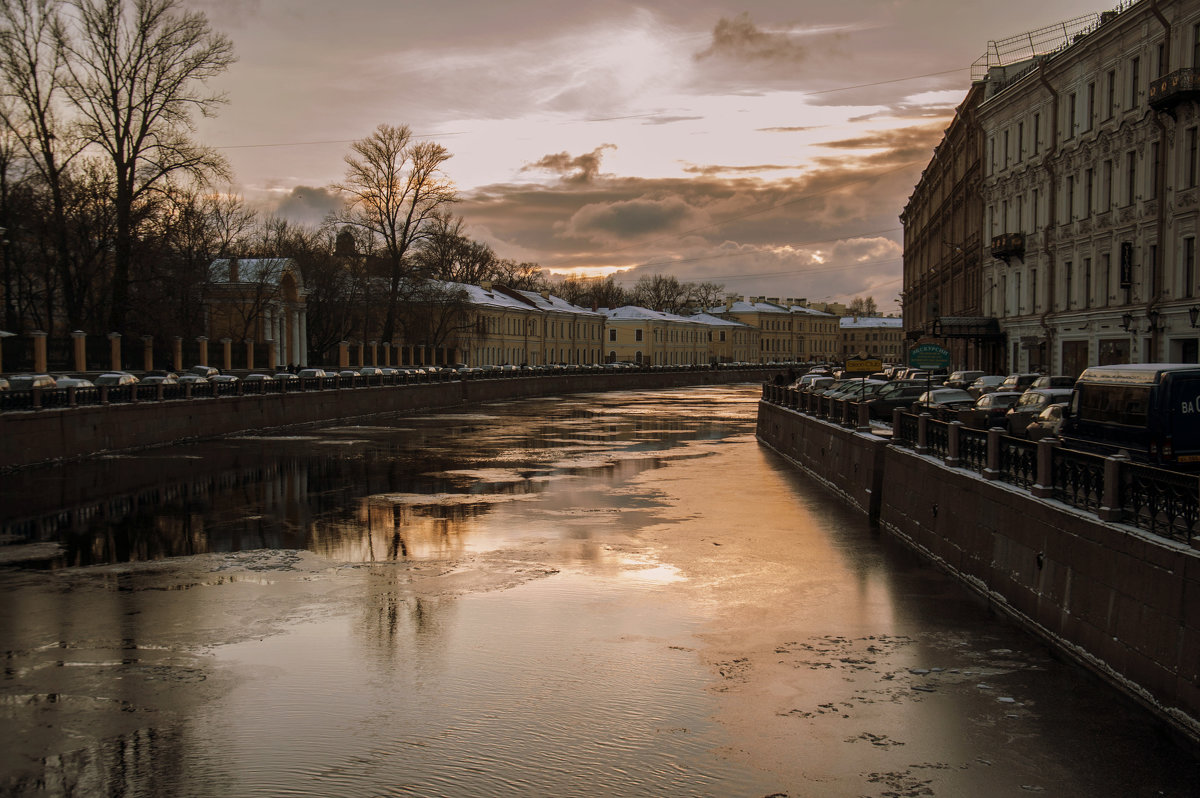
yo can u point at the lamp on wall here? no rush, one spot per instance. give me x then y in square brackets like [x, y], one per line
[1152, 317]
[1126, 321]
[1194, 314]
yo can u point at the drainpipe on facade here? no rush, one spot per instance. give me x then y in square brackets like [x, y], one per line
[1051, 218]
[1160, 196]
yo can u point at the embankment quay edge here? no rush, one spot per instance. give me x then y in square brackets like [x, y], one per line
[1123, 602]
[57, 434]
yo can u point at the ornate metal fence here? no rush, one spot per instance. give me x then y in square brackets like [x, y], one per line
[1160, 501]
[1078, 478]
[972, 448]
[1018, 461]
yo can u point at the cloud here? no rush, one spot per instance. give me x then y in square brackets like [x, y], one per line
[714, 169]
[739, 39]
[624, 220]
[572, 169]
[305, 204]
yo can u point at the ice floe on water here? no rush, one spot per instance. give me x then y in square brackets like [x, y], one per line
[449, 499]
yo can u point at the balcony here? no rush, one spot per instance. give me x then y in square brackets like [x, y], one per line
[1008, 245]
[1170, 90]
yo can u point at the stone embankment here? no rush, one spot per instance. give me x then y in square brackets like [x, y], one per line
[1121, 600]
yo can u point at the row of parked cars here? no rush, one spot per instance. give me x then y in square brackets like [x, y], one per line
[1026, 404]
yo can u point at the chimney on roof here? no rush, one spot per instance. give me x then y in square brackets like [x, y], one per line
[233, 270]
[545, 293]
[486, 285]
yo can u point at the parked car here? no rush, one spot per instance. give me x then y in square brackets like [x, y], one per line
[1048, 423]
[258, 378]
[160, 379]
[895, 394]
[1017, 382]
[1030, 404]
[192, 379]
[1150, 411]
[67, 381]
[370, 371]
[963, 379]
[856, 390]
[992, 408]
[204, 371]
[222, 378]
[1058, 381]
[27, 382]
[349, 374]
[115, 379]
[3, 383]
[985, 384]
[312, 374]
[943, 399]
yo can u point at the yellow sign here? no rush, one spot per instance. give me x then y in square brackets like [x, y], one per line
[868, 366]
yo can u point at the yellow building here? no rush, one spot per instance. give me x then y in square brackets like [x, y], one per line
[503, 326]
[817, 334]
[261, 301]
[878, 337]
[650, 337]
[729, 341]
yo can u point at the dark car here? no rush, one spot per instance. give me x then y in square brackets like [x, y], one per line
[963, 379]
[1055, 381]
[893, 395]
[1048, 422]
[985, 384]
[1018, 382]
[1030, 404]
[943, 399]
[992, 408]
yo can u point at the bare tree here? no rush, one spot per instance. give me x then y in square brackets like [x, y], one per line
[32, 71]
[660, 292]
[395, 188]
[703, 297]
[136, 72]
[863, 306]
[592, 292]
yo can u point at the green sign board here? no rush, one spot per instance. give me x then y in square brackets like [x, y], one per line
[929, 356]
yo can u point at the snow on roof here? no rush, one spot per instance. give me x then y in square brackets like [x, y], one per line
[715, 321]
[875, 322]
[635, 313]
[267, 271]
[554, 303]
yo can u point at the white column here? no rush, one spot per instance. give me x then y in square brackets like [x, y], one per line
[303, 329]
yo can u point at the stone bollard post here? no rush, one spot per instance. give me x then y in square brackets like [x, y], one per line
[1110, 502]
[953, 441]
[923, 434]
[374, 353]
[177, 353]
[249, 343]
[203, 341]
[79, 341]
[114, 350]
[992, 470]
[1043, 486]
[864, 417]
[39, 351]
[226, 355]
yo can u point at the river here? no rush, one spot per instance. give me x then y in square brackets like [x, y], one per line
[616, 594]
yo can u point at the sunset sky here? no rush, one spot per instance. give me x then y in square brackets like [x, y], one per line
[768, 146]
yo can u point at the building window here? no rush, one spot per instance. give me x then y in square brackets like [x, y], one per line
[1130, 177]
[1005, 149]
[1071, 116]
[1154, 169]
[1192, 157]
[1134, 76]
[1112, 94]
[1195, 46]
[612, 334]
[1088, 186]
[1106, 205]
[1020, 141]
[1033, 297]
[1189, 267]
[1070, 198]
[637, 334]
[1106, 271]
[1087, 282]
[1091, 106]
[1037, 126]
[1069, 271]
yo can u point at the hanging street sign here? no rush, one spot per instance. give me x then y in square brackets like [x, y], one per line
[856, 365]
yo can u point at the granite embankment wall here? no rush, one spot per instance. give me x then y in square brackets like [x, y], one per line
[1119, 600]
[44, 436]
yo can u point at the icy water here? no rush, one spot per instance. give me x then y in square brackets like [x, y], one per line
[616, 594]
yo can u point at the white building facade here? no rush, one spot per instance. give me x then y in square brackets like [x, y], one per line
[1090, 188]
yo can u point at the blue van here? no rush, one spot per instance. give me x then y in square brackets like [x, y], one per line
[1150, 410]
